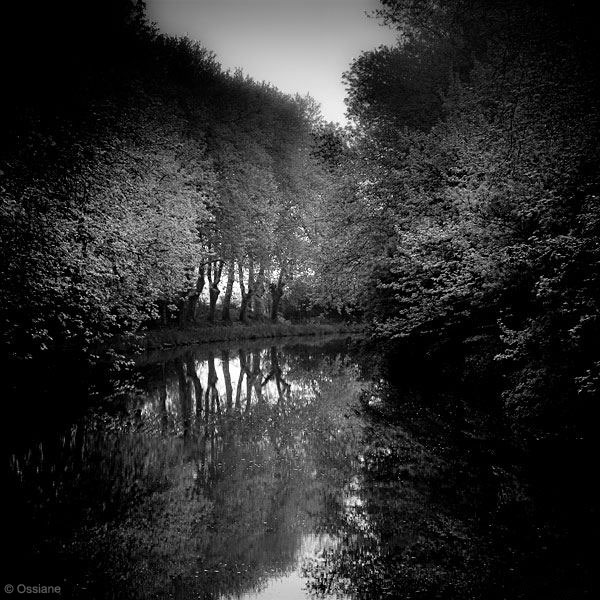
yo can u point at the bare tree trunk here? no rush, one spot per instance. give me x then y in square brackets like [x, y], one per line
[225, 316]
[164, 312]
[188, 304]
[258, 308]
[276, 295]
[182, 311]
[214, 277]
[246, 293]
[195, 297]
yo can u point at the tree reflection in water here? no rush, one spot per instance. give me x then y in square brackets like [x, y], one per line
[188, 489]
[253, 472]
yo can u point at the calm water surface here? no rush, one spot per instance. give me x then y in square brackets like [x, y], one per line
[282, 472]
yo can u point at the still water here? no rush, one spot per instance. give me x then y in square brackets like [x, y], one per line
[262, 471]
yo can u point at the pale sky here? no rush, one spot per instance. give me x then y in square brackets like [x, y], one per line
[300, 46]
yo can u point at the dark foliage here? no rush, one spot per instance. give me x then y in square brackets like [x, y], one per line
[135, 174]
[476, 154]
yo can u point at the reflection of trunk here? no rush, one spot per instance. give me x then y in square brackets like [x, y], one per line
[206, 409]
[185, 398]
[202, 461]
[276, 295]
[228, 291]
[283, 387]
[238, 390]
[275, 369]
[193, 375]
[227, 378]
[162, 401]
[213, 455]
[214, 277]
[257, 374]
[211, 389]
[245, 369]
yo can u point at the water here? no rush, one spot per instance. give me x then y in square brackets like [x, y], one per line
[288, 472]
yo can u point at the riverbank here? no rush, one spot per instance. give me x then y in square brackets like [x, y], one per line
[204, 350]
[173, 337]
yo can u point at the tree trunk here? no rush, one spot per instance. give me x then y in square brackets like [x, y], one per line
[213, 294]
[246, 293]
[189, 303]
[225, 316]
[182, 311]
[258, 306]
[276, 295]
[214, 277]
[164, 312]
[195, 297]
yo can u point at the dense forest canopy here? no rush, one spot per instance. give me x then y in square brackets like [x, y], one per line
[143, 184]
[474, 198]
[137, 174]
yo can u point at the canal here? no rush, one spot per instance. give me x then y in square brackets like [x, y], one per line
[292, 470]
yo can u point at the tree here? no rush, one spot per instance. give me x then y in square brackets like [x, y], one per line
[473, 148]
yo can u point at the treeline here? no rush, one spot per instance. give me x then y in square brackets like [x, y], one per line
[137, 175]
[469, 193]
[137, 178]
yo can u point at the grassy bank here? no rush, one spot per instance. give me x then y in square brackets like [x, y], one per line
[205, 350]
[203, 334]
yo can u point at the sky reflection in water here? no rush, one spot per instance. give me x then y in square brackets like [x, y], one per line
[284, 472]
[216, 478]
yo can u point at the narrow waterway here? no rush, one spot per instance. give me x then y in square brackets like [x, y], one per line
[261, 471]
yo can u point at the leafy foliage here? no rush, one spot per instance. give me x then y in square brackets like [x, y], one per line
[129, 172]
[473, 187]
